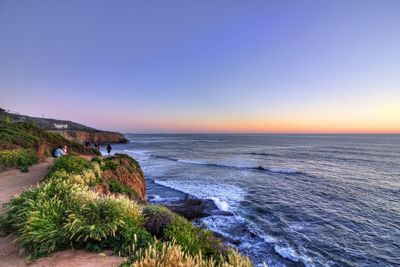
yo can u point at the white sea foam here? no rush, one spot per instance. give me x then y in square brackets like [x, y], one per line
[157, 198]
[289, 253]
[254, 229]
[224, 196]
[286, 252]
[221, 224]
[222, 205]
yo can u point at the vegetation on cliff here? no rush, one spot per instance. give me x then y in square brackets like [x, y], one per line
[67, 210]
[23, 144]
[18, 158]
[73, 131]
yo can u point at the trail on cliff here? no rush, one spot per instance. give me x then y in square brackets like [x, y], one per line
[13, 182]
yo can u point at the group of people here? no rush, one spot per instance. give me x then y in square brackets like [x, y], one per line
[97, 146]
[62, 150]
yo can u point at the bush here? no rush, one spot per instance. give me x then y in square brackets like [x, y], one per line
[97, 159]
[71, 165]
[22, 158]
[38, 216]
[170, 254]
[156, 219]
[129, 238]
[61, 213]
[108, 165]
[11, 136]
[194, 239]
[116, 186]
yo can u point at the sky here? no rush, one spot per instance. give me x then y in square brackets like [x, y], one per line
[204, 66]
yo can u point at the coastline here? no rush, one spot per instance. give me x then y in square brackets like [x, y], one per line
[215, 214]
[98, 204]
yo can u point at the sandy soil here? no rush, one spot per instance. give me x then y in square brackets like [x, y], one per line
[14, 182]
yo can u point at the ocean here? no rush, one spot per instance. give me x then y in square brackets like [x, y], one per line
[296, 200]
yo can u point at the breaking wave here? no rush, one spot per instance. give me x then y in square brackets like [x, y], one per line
[253, 168]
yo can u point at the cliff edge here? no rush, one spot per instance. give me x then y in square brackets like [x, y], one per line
[68, 129]
[81, 136]
[122, 174]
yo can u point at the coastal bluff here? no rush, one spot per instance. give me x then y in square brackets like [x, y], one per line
[123, 174]
[81, 136]
[70, 130]
[83, 205]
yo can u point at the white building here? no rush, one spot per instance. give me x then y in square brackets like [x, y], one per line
[60, 126]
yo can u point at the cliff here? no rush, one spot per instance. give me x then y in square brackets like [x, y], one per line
[92, 136]
[68, 129]
[123, 174]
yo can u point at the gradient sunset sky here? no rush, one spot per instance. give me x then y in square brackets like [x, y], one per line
[205, 66]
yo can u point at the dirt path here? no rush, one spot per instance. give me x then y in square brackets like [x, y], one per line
[14, 182]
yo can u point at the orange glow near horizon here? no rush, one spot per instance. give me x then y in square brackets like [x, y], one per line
[290, 125]
[378, 119]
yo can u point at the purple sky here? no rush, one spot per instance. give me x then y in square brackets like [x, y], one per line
[204, 66]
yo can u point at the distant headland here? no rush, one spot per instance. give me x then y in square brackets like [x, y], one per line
[70, 130]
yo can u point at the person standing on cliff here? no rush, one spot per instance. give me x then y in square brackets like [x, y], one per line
[109, 148]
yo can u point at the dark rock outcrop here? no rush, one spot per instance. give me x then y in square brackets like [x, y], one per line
[193, 208]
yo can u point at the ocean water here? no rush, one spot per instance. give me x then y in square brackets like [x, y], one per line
[296, 200]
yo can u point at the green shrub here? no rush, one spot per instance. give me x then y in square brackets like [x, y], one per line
[12, 135]
[116, 186]
[22, 158]
[129, 238]
[108, 165]
[157, 218]
[60, 214]
[71, 165]
[171, 254]
[97, 159]
[38, 216]
[194, 239]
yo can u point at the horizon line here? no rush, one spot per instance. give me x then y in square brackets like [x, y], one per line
[264, 133]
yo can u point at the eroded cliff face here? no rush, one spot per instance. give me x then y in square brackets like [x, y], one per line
[93, 136]
[126, 171]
